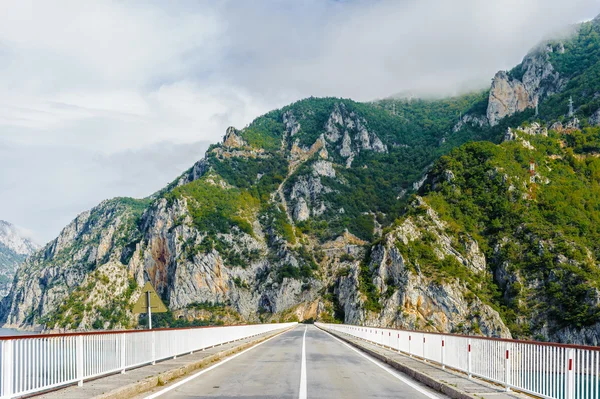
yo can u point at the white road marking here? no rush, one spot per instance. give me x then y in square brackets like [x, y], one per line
[386, 368]
[188, 379]
[303, 383]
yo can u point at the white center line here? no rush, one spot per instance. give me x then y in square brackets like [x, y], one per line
[303, 388]
[389, 370]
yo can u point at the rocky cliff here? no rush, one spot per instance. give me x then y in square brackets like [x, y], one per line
[409, 280]
[14, 249]
[525, 86]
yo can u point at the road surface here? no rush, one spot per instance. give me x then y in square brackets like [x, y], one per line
[302, 363]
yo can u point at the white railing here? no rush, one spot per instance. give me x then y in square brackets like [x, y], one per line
[30, 364]
[545, 370]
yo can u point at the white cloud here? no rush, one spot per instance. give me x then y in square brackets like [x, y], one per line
[47, 185]
[97, 99]
[366, 49]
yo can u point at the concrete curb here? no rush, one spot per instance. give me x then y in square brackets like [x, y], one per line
[149, 383]
[439, 386]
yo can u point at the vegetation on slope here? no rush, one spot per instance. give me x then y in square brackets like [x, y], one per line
[217, 208]
[580, 66]
[551, 244]
[373, 186]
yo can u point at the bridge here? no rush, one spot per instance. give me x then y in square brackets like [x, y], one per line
[289, 360]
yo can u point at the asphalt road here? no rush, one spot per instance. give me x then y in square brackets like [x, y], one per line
[274, 370]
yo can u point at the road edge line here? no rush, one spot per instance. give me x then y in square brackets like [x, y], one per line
[392, 372]
[432, 383]
[219, 363]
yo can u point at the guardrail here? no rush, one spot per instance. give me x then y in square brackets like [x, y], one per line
[35, 363]
[546, 370]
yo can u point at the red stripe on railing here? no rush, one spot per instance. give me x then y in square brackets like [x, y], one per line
[72, 334]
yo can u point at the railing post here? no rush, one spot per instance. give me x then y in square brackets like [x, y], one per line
[443, 352]
[79, 356]
[8, 363]
[469, 364]
[123, 354]
[409, 349]
[507, 367]
[570, 376]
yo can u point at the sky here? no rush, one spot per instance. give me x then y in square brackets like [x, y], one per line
[117, 98]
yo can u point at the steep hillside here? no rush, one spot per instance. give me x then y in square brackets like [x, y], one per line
[312, 211]
[14, 249]
[528, 249]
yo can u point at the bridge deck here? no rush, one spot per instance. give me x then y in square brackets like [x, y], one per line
[274, 370]
[302, 363]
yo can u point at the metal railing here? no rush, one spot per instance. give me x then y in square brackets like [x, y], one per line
[35, 363]
[546, 370]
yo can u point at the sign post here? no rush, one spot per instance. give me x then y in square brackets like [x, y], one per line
[149, 310]
[149, 302]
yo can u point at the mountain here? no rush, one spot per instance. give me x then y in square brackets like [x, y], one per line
[399, 212]
[14, 249]
[256, 227]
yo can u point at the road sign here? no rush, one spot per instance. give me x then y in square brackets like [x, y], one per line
[148, 293]
[149, 302]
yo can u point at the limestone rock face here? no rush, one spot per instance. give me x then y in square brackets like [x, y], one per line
[307, 193]
[291, 124]
[232, 139]
[535, 129]
[301, 211]
[324, 168]
[411, 300]
[353, 132]
[507, 97]
[510, 94]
